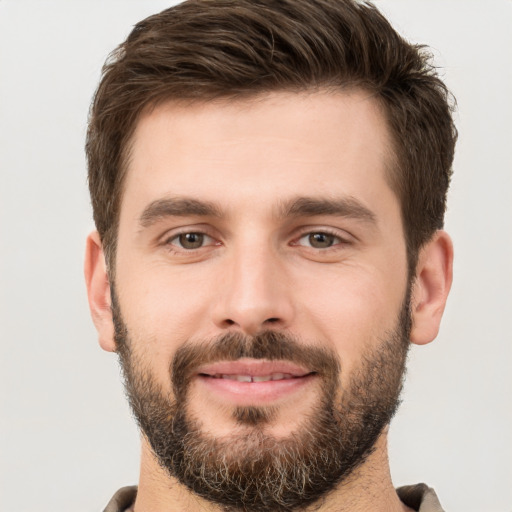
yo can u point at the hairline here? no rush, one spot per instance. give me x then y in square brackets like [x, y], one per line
[393, 166]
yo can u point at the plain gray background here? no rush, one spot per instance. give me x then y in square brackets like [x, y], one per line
[67, 439]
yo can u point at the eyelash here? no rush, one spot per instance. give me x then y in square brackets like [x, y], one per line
[169, 240]
[339, 240]
[179, 249]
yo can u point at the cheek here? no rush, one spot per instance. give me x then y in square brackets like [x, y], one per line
[161, 313]
[353, 312]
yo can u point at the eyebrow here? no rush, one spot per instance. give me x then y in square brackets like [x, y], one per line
[176, 207]
[299, 207]
[340, 207]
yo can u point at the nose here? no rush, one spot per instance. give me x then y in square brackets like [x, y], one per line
[254, 293]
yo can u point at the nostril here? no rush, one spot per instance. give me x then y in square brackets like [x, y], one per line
[249, 327]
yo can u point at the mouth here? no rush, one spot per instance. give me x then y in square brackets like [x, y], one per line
[253, 382]
[254, 370]
[255, 378]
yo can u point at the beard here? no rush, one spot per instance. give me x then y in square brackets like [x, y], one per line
[252, 470]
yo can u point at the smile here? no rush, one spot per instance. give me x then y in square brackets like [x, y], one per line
[253, 381]
[253, 370]
[255, 378]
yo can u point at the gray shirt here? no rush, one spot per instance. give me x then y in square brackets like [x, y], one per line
[419, 497]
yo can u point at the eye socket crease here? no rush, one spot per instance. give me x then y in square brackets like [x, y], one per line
[299, 211]
[319, 239]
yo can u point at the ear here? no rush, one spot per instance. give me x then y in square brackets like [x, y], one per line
[98, 291]
[433, 281]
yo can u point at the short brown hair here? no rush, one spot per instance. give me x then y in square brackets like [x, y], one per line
[207, 49]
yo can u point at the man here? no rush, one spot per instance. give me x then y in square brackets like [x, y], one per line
[268, 181]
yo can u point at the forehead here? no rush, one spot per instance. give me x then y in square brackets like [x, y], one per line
[249, 153]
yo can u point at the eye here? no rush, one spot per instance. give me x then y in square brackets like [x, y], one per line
[191, 241]
[319, 240]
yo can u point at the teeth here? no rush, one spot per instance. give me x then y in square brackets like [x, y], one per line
[262, 378]
[281, 376]
[259, 378]
[239, 378]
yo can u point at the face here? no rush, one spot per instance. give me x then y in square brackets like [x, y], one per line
[261, 278]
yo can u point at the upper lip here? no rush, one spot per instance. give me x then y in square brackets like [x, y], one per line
[253, 367]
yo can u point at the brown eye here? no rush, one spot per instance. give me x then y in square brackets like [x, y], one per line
[191, 240]
[321, 240]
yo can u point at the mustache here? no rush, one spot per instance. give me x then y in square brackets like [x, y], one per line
[269, 345]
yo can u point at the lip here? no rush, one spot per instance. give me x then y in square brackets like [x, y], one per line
[254, 367]
[217, 380]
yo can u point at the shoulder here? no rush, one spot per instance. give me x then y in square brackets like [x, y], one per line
[122, 500]
[420, 497]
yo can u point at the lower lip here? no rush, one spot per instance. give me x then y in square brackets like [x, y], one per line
[254, 393]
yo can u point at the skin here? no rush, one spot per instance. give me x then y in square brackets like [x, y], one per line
[257, 269]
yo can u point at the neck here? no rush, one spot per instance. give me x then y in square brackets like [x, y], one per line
[369, 487]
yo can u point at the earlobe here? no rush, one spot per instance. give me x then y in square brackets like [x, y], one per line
[98, 291]
[433, 281]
